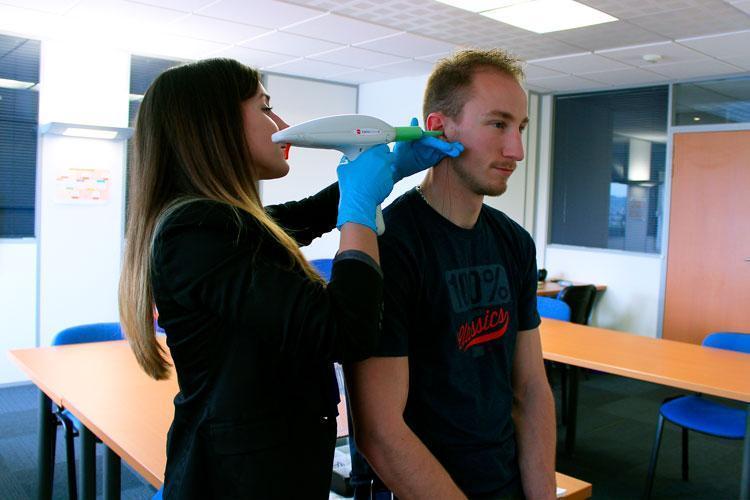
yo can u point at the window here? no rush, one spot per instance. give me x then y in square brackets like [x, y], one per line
[143, 71]
[608, 169]
[19, 120]
[709, 103]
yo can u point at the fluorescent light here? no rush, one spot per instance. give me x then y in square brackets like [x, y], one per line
[90, 133]
[15, 84]
[639, 160]
[544, 16]
[480, 5]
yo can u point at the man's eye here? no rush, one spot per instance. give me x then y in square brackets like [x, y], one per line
[500, 125]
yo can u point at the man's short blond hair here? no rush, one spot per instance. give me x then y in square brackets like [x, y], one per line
[449, 84]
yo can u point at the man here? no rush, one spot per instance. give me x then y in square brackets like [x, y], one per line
[456, 404]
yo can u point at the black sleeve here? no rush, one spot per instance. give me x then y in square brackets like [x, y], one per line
[528, 316]
[401, 287]
[239, 274]
[310, 217]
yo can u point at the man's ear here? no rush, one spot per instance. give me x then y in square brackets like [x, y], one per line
[438, 121]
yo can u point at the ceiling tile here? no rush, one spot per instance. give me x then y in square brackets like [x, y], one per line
[622, 77]
[579, 64]
[265, 13]
[534, 47]
[694, 21]
[183, 5]
[742, 61]
[408, 45]
[51, 6]
[566, 82]
[627, 9]
[352, 56]
[670, 52]
[433, 58]
[608, 35]
[180, 47]
[120, 15]
[218, 30]
[310, 68]
[694, 69]
[721, 46]
[408, 68]
[361, 76]
[533, 72]
[287, 43]
[743, 6]
[340, 29]
[251, 57]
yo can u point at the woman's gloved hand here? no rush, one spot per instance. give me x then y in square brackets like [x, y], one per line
[414, 156]
[364, 183]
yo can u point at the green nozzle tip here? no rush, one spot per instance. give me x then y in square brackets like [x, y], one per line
[413, 133]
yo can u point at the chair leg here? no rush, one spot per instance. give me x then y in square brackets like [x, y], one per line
[564, 393]
[70, 457]
[684, 454]
[654, 457]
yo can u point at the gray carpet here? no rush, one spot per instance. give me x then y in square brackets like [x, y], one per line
[617, 419]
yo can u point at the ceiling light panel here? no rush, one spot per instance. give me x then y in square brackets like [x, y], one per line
[545, 16]
[480, 5]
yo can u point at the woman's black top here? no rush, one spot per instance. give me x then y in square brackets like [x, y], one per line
[253, 340]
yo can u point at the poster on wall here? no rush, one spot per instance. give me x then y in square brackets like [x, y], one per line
[82, 186]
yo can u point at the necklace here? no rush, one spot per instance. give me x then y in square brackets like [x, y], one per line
[419, 190]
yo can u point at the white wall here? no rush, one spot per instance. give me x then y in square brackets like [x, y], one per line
[297, 100]
[631, 302]
[397, 101]
[17, 302]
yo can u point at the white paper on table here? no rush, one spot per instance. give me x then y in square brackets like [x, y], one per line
[561, 492]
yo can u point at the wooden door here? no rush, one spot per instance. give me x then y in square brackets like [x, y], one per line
[708, 260]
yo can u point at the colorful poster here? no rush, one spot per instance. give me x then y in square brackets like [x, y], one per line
[82, 186]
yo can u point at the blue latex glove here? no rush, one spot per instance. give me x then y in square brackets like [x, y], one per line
[414, 156]
[364, 183]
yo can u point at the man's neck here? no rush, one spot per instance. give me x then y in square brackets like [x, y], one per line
[448, 195]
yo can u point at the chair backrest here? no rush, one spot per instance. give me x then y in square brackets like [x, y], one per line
[323, 266]
[553, 308]
[732, 341]
[95, 332]
[580, 298]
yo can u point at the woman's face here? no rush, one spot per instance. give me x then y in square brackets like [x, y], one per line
[260, 123]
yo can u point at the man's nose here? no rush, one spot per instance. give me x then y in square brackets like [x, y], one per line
[513, 147]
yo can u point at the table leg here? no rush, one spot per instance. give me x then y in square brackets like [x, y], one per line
[87, 469]
[570, 432]
[745, 484]
[47, 426]
[111, 474]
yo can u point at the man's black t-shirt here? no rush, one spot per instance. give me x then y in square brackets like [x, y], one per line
[455, 300]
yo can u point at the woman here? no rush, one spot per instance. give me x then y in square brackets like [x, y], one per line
[252, 329]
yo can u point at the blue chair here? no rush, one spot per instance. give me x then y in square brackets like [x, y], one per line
[695, 413]
[96, 332]
[553, 308]
[323, 266]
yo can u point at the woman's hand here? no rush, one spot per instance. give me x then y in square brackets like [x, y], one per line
[364, 183]
[414, 156]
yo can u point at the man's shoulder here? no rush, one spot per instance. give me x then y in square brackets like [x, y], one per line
[400, 216]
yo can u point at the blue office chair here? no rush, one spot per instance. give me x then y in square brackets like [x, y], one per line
[699, 414]
[553, 308]
[96, 332]
[323, 266]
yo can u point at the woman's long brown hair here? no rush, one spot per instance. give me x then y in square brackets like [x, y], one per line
[189, 145]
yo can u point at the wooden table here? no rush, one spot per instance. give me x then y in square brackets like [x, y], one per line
[690, 367]
[551, 289]
[102, 385]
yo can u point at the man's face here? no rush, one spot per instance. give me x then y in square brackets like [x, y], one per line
[489, 127]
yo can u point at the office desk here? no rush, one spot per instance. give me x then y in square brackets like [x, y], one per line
[550, 289]
[690, 367]
[126, 409]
